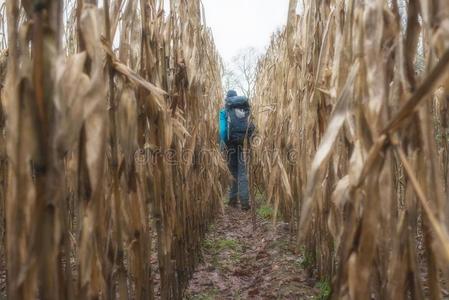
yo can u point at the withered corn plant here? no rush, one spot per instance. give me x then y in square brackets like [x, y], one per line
[110, 175]
[3, 156]
[352, 110]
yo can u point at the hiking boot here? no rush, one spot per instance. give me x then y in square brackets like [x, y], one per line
[232, 202]
[246, 207]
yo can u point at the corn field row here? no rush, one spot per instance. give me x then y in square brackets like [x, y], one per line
[109, 167]
[353, 116]
[95, 96]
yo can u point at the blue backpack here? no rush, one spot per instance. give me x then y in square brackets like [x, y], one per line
[235, 123]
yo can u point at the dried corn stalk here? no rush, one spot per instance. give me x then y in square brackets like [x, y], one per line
[111, 147]
[354, 142]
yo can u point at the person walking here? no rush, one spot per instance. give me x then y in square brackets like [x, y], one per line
[235, 126]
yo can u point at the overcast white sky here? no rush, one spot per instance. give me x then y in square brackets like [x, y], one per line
[238, 24]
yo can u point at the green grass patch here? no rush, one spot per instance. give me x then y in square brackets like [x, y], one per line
[265, 211]
[211, 227]
[215, 247]
[227, 244]
[325, 290]
[221, 244]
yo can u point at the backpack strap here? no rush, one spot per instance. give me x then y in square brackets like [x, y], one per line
[228, 123]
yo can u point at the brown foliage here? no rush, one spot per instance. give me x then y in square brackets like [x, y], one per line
[348, 142]
[92, 110]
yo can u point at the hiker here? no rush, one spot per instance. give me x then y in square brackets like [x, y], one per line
[235, 125]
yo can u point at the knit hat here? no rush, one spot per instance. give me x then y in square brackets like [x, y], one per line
[231, 93]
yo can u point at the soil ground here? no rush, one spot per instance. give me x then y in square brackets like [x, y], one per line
[242, 263]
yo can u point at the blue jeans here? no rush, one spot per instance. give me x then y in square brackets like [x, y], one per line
[237, 167]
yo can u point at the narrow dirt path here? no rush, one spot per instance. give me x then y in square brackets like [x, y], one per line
[239, 263]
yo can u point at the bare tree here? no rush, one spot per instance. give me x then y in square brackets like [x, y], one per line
[243, 71]
[229, 77]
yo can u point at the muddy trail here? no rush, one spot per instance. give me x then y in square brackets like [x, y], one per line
[242, 263]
